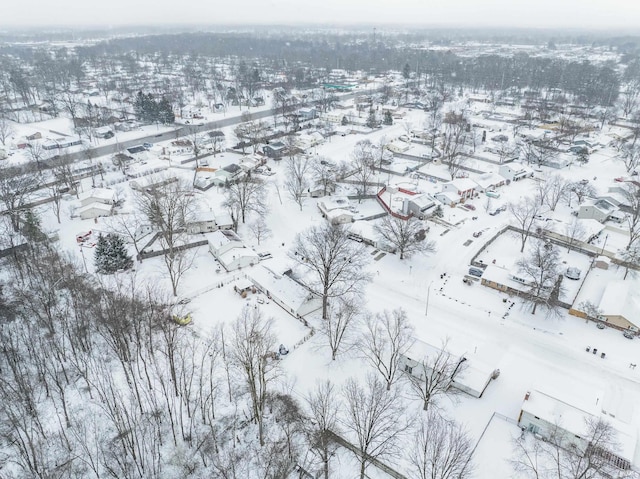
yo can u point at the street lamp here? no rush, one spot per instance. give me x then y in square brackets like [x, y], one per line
[426, 311]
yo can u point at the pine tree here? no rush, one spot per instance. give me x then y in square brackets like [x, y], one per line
[372, 122]
[111, 254]
[388, 119]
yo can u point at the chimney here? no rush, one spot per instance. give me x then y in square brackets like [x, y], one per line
[526, 396]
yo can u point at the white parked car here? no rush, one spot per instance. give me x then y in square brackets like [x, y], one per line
[573, 273]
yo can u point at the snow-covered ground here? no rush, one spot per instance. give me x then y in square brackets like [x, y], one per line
[531, 351]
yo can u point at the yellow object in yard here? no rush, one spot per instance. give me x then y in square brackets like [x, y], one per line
[182, 320]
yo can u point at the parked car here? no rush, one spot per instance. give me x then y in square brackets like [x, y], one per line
[477, 234]
[147, 146]
[264, 255]
[469, 206]
[573, 273]
[473, 271]
[628, 334]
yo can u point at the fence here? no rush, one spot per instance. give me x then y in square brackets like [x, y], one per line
[153, 254]
[380, 465]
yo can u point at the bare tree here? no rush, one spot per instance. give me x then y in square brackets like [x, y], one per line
[441, 449]
[169, 208]
[552, 190]
[541, 270]
[296, 178]
[540, 152]
[323, 405]
[16, 187]
[631, 259]
[407, 236]
[574, 231]
[324, 176]
[566, 456]
[433, 375]
[128, 226]
[375, 417]
[344, 314]
[260, 229]
[252, 344]
[6, 130]
[245, 195]
[335, 262]
[453, 140]
[524, 213]
[580, 190]
[631, 193]
[387, 336]
[362, 161]
[631, 157]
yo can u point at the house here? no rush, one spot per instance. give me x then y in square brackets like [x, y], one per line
[94, 210]
[515, 171]
[546, 415]
[599, 210]
[398, 146]
[306, 114]
[505, 280]
[420, 206]
[248, 163]
[228, 174]
[557, 162]
[318, 189]
[468, 375]
[104, 132]
[230, 251]
[35, 136]
[464, 188]
[202, 222]
[488, 182]
[336, 210]
[275, 150]
[620, 305]
[447, 198]
[588, 230]
[293, 297]
[97, 195]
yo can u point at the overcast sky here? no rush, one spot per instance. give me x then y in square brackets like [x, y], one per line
[505, 13]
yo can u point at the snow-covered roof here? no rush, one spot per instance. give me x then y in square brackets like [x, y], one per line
[94, 206]
[621, 299]
[487, 180]
[422, 201]
[463, 184]
[104, 194]
[502, 276]
[293, 295]
[334, 203]
[571, 416]
[203, 217]
[449, 195]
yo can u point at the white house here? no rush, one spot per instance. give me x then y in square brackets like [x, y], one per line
[600, 210]
[468, 375]
[94, 210]
[447, 198]
[465, 188]
[202, 222]
[97, 195]
[545, 414]
[421, 205]
[515, 171]
[620, 304]
[488, 182]
[335, 210]
[294, 298]
[230, 251]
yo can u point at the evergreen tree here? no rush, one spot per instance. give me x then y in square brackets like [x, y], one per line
[111, 255]
[388, 119]
[31, 227]
[372, 122]
[165, 112]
